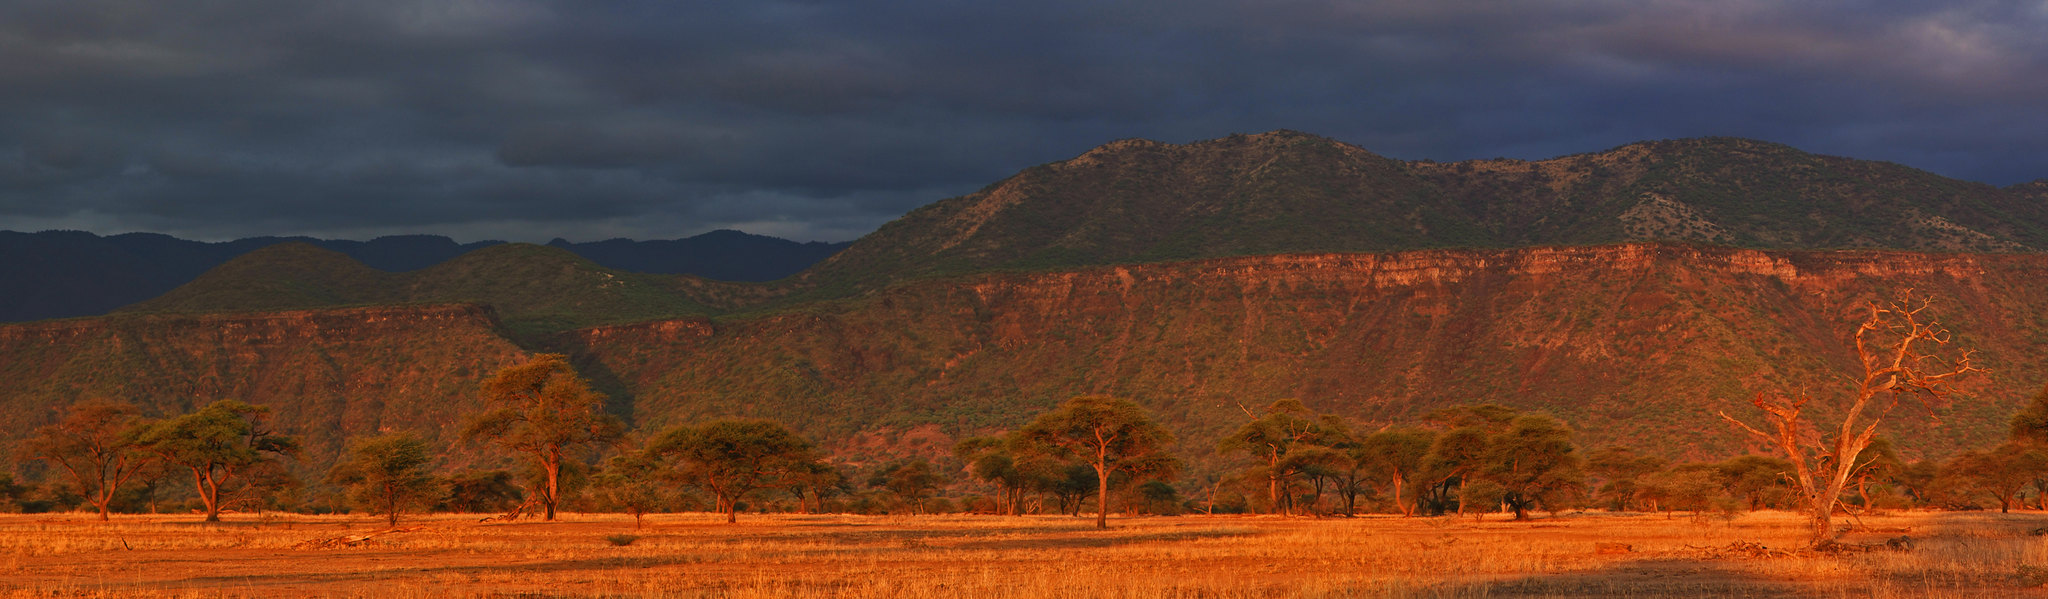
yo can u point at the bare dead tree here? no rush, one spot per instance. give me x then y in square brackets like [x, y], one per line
[1899, 355]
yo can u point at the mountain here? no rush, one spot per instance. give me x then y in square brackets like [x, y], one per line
[61, 274]
[1639, 344]
[722, 255]
[1634, 293]
[535, 289]
[1138, 201]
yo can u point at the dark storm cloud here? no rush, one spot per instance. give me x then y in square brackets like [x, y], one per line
[820, 120]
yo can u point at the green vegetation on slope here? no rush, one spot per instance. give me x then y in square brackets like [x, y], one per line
[326, 374]
[1285, 192]
[1635, 344]
[535, 289]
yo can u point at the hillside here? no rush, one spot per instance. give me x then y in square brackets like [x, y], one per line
[1283, 192]
[1636, 344]
[535, 289]
[327, 374]
[62, 274]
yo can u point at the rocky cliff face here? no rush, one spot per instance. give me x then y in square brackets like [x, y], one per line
[1638, 344]
[327, 374]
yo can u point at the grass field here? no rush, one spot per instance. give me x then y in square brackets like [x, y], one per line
[695, 555]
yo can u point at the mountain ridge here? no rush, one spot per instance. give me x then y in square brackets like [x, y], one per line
[1135, 201]
[534, 288]
[58, 274]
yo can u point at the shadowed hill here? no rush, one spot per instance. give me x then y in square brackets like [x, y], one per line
[59, 274]
[722, 255]
[533, 288]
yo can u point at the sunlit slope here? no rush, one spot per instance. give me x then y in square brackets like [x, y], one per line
[1636, 344]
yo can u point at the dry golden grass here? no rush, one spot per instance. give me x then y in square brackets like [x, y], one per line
[696, 555]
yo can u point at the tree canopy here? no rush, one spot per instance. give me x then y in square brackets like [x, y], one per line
[734, 457]
[543, 409]
[1109, 434]
[219, 444]
[1274, 437]
[388, 474]
[96, 444]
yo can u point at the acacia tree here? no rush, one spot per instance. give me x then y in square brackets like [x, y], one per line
[1621, 472]
[219, 443]
[812, 481]
[1069, 484]
[479, 492]
[911, 480]
[2030, 428]
[635, 483]
[1458, 452]
[734, 457]
[1396, 454]
[95, 443]
[1879, 463]
[1896, 346]
[1110, 434]
[1533, 461]
[1756, 480]
[546, 411]
[387, 474]
[1273, 437]
[990, 459]
[2002, 471]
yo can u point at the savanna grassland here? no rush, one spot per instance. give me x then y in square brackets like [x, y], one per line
[695, 555]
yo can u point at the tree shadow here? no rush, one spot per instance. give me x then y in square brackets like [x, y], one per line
[1651, 577]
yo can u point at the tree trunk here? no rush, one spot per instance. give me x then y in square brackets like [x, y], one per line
[209, 493]
[1405, 511]
[1101, 496]
[1822, 525]
[553, 465]
[391, 504]
[1273, 481]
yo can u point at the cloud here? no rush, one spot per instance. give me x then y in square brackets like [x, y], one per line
[537, 119]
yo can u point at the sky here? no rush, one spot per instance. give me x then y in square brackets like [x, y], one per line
[527, 120]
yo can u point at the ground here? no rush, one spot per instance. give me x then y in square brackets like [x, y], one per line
[697, 555]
